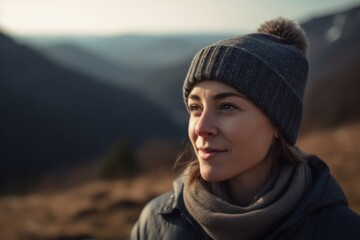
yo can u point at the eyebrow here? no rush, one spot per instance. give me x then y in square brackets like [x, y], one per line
[219, 96]
[228, 94]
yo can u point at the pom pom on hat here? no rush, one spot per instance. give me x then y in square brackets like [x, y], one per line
[288, 30]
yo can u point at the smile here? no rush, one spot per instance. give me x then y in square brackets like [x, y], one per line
[207, 153]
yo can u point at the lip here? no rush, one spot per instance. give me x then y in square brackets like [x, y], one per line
[208, 153]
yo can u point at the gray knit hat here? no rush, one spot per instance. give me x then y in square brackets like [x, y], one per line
[269, 67]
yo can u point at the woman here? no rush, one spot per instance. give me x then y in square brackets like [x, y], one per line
[247, 179]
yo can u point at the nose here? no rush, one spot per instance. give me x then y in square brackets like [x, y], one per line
[206, 125]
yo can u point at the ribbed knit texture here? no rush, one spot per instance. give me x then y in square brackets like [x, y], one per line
[222, 220]
[267, 70]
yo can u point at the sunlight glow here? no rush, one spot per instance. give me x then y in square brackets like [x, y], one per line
[156, 16]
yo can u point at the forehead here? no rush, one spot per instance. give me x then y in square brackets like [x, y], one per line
[211, 88]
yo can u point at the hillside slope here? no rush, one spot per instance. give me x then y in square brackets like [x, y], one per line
[53, 117]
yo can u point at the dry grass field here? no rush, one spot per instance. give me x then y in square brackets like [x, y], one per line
[340, 148]
[107, 210]
[97, 210]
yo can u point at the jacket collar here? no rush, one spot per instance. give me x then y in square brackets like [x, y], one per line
[325, 192]
[175, 201]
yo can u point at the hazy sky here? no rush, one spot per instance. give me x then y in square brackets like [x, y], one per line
[154, 16]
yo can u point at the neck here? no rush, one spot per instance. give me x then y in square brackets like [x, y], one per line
[244, 187]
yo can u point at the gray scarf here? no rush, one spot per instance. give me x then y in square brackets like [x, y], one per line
[223, 220]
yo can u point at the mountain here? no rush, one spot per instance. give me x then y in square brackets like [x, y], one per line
[151, 65]
[138, 62]
[169, 83]
[333, 41]
[53, 117]
[156, 65]
[86, 62]
[140, 52]
[332, 96]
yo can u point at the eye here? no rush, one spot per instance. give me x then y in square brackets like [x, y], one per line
[195, 109]
[228, 107]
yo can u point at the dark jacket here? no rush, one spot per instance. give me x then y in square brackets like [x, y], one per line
[322, 213]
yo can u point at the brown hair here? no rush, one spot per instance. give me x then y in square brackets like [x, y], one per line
[280, 152]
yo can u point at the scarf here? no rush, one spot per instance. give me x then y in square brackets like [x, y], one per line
[222, 220]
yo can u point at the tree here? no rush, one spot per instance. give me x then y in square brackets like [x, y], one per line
[120, 160]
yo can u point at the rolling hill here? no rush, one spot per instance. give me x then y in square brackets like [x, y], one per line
[53, 117]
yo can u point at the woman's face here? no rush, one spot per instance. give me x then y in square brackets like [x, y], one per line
[230, 134]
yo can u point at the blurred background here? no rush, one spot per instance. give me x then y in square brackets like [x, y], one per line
[91, 110]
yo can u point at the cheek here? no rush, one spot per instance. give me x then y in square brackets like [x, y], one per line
[253, 139]
[191, 130]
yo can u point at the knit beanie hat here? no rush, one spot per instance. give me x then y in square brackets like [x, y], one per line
[268, 67]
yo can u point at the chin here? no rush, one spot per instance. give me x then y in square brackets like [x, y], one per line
[211, 176]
